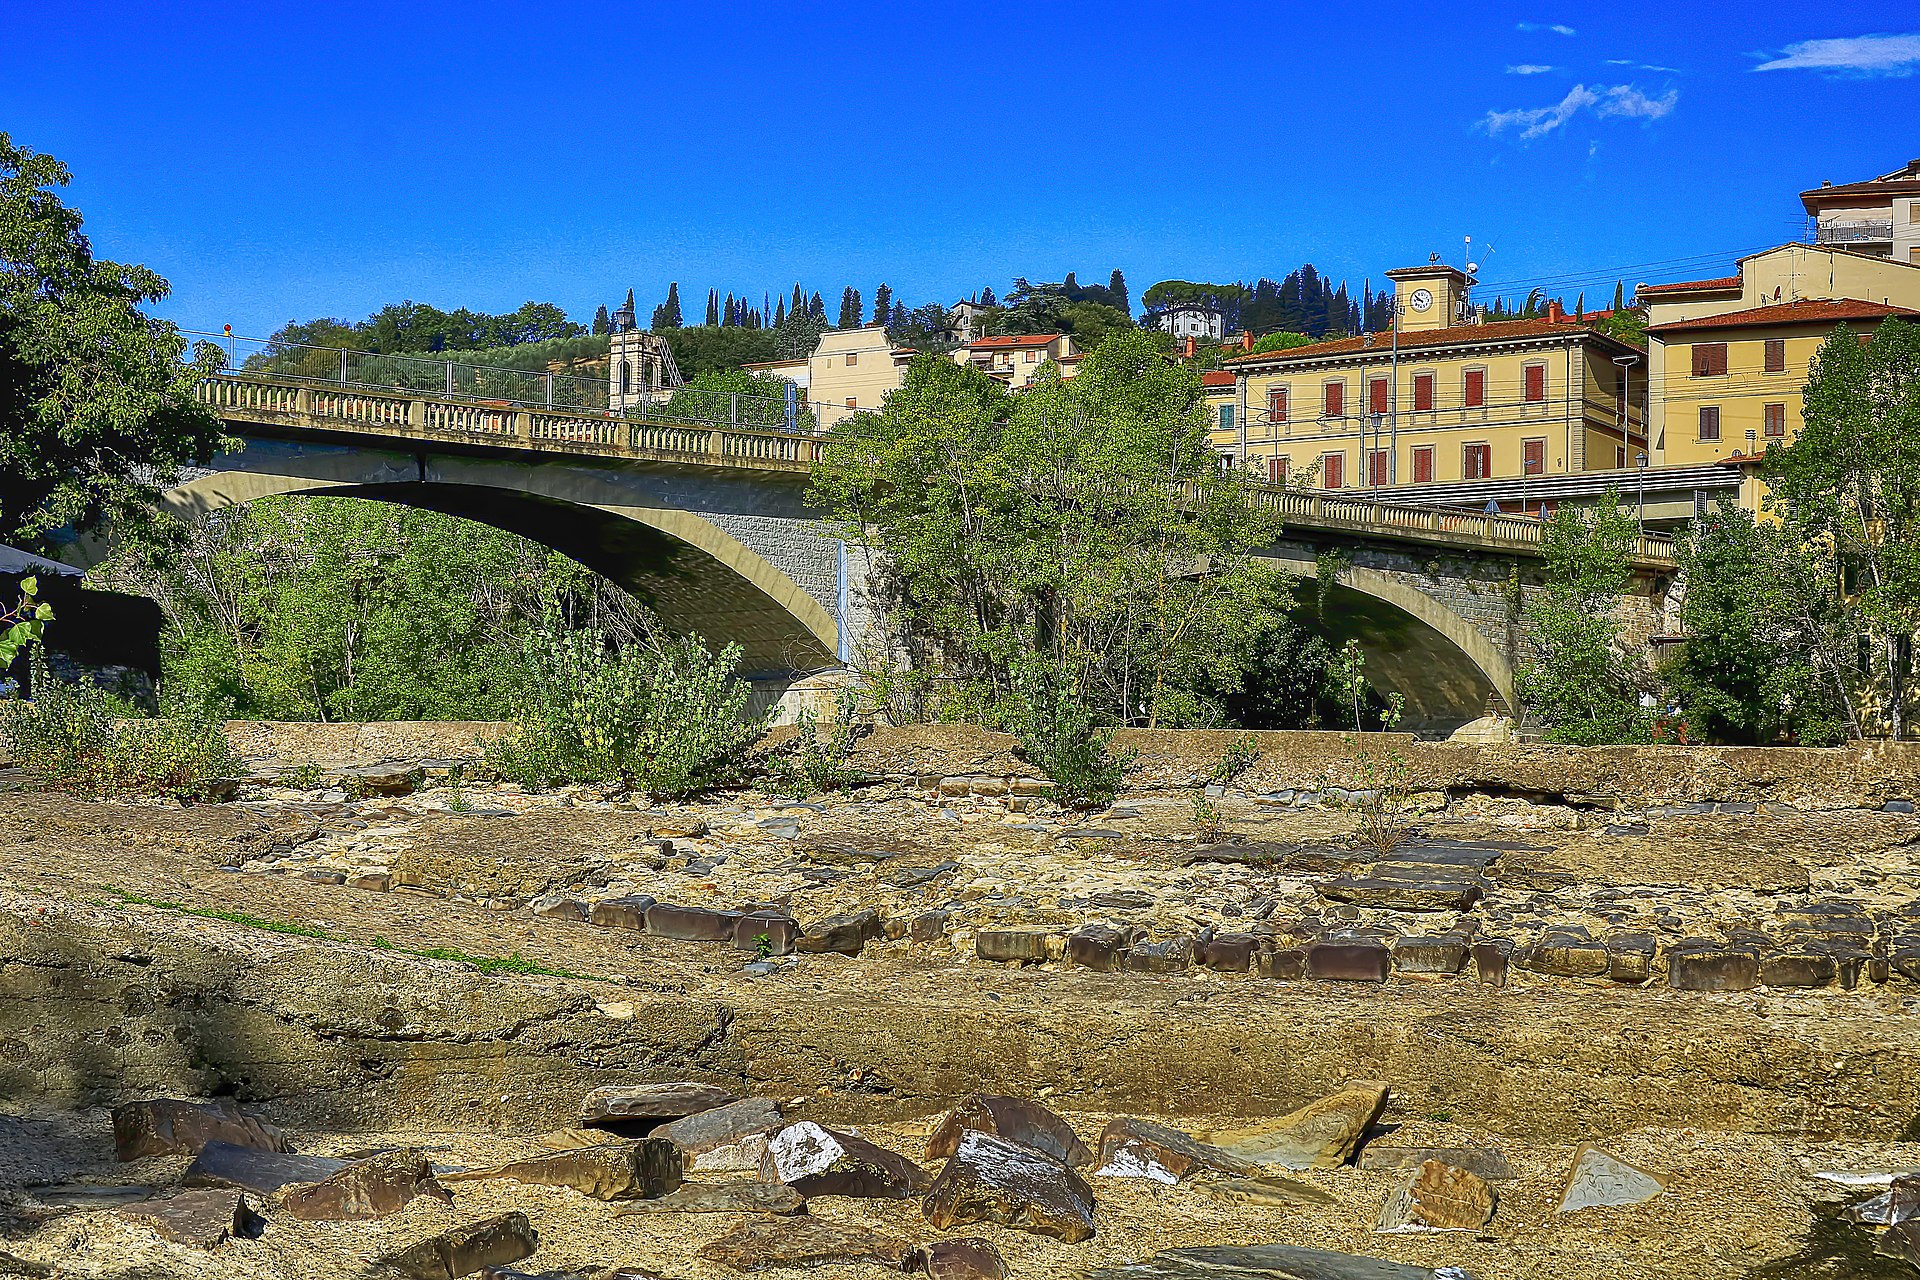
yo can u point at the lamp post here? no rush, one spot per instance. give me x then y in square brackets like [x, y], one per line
[1625, 365]
[1640, 476]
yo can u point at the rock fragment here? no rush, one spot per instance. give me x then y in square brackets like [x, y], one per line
[844, 934]
[492, 1242]
[618, 913]
[375, 1187]
[1439, 1196]
[1267, 1262]
[1142, 1149]
[725, 1197]
[1018, 946]
[222, 1164]
[645, 1106]
[1265, 1191]
[821, 1162]
[964, 1259]
[1352, 960]
[1321, 1135]
[1100, 947]
[729, 1139]
[168, 1126]
[636, 1170]
[1898, 1203]
[199, 1219]
[989, 1179]
[1017, 1120]
[764, 1243]
[1600, 1178]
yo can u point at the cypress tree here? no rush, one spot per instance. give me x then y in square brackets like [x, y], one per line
[1619, 295]
[798, 306]
[672, 318]
[713, 308]
[816, 308]
[602, 322]
[1117, 286]
[850, 308]
[986, 297]
[882, 304]
[780, 313]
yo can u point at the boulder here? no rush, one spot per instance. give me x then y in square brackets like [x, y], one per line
[1227, 952]
[772, 932]
[1698, 965]
[167, 1126]
[1799, 968]
[1441, 1196]
[843, 934]
[763, 1243]
[989, 1179]
[1567, 954]
[690, 924]
[821, 1162]
[1174, 955]
[559, 906]
[1287, 963]
[1351, 960]
[1321, 1135]
[1018, 946]
[380, 1185]
[1014, 1119]
[645, 1106]
[222, 1164]
[928, 926]
[725, 1197]
[967, 1258]
[1895, 1205]
[1267, 1262]
[729, 1139]
[491, 1242]
[1444, 953]
[620, 913]
[1143, 1149]
[633, 1170]
[1601, 1179]
[1630, 957]
[1490, 960]
[199, 1219]
[1901, 1241]
[1100, 947]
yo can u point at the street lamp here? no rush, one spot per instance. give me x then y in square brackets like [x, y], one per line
[1640, 475]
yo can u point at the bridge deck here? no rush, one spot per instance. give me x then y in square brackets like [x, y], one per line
[410, 417]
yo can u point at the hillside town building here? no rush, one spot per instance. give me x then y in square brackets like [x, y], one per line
[1880, 216]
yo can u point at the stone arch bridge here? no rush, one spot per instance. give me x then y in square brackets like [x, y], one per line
[709, 524]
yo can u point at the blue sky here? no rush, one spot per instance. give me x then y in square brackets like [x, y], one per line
[278, 161]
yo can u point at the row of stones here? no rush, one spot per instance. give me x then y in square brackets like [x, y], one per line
[1818, 958]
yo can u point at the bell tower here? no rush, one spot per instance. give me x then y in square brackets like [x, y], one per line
[1430, 297]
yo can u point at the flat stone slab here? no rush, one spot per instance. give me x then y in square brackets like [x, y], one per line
[222, 1164]
[1320, 1135]
[729, 1139]
[169, 1126]
[1600, 1179]
[199, 1219]
[725, 1197]
[765, 1243]
[1268, 1262]
[618, 1104]
[462, 1251]
[1015, 1119]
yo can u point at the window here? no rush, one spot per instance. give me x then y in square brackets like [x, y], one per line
[1276, 404]
[1536, 383]
[1775, 416]
[1377, 467]
[626, 378]
[853, 358]
[1376, 395]
[1474, 394]
[1333, 470]
[1277, 469]
[1476, 461]
[1619, 458]
[1334, 403]
[1032, 356]
[1533, 457]
[852, 403]
[1226, 417]
[1423, 393]
[1776, 355]
[1709, 359]
[1913, 212]
[1709, 422]
[1422, 463]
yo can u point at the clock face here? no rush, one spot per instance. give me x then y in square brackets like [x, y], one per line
[1421, 299]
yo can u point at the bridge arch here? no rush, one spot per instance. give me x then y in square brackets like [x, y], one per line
[1448, 670]
[698, 576]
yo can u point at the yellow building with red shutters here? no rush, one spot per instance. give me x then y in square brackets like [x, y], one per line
[1445, 397]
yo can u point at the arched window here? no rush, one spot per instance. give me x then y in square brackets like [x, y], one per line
[626, 378]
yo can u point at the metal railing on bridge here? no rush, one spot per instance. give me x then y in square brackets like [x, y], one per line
[782, 408]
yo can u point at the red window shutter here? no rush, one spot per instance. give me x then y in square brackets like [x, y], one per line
[1709, 359]
[1378, 465]
[1423, 464]
[1333, 467]
[1776, 416]
[1423, 393]
[1377, 395]
[1535, 460]
[1776, 355]
[1476, 461]
[1276, 404]
[1709, 422]
[1476, 388]
[1276, 470]
[1336, 401]
[1536, 383]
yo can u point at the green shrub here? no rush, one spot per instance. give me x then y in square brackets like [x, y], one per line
[815, 760]
[78, 735]
[666, 717]
[1060, 733]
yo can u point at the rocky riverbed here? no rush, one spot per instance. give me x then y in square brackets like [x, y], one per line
[1653, 1018]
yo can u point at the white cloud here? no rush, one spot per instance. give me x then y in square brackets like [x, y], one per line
[1620, 101]
[1559, 29]
[1528, 69]
[1641, 66]
[1875, 55]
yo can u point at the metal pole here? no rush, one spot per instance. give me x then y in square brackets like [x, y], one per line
[343, 368]
[449, 377]
[549, 391]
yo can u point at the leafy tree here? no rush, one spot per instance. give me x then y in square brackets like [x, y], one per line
[986, 297]
[1579, 681]
[1281, 341]
[669, 317]
[850, 308]
[699, 349]
[1848, 488]
[96, 397]
[1117, 288]
[1766, 657]
[797, 334]
[1056, 531]
[602, 322]
[730, 396]
[816, 308]
[882, 304]
[923, 328]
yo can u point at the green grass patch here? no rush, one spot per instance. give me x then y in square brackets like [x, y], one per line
[512, 964]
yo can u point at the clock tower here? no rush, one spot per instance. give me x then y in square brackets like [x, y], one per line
[1430, 297]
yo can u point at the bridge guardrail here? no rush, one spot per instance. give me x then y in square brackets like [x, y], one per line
[378, 412]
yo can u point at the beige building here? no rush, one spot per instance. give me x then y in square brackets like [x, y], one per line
[1880, 216]
[1444, 399]
[640, 369]
[1728, 357]
[1016, 358]
[850, 370]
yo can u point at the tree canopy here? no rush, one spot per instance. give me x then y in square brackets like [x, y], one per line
[96, 396]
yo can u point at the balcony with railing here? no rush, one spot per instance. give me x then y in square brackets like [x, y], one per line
[1856, 231]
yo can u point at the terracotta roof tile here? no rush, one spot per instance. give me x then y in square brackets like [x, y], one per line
[1218, 378]
[1810, 311]
[1691, 286]
[1455, 335]
[1018, 340]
